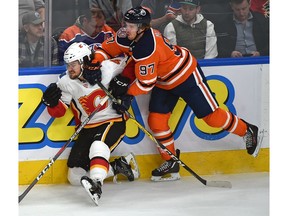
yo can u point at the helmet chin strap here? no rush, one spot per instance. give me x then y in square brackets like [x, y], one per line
[80, 72]
[139, 28]
[132, 44]
[137, 34]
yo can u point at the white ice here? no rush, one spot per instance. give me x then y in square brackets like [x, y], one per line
[249, 196]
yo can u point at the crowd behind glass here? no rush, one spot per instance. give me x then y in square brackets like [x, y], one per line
[42, 23]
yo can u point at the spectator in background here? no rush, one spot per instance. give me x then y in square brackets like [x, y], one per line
[245, 33]
[122, 6]
[261, 6]
[90, 28]
[31, 42]
[217, 11]
[193, 31]
[114, 10]
[26, 6]
[109, 7]
[162, 12]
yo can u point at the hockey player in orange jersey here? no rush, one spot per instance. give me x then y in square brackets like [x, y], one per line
[170, 72]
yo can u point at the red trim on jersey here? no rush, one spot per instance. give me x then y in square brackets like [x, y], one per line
[57, 111]
[99, 162]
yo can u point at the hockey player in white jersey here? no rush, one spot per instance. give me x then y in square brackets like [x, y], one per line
[88, 162]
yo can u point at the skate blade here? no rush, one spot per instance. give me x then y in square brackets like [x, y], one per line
[130, 158]
[259, 144]
[166, 178]
[87, 186]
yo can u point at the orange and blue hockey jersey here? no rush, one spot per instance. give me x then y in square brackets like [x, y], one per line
[157, 62]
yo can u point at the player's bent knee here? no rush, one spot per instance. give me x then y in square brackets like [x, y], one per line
[158, 121]
[217, 119]
[99, 149]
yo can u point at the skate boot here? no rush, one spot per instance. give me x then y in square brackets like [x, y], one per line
[251, 140]
[93, 188]
[168, 171]
[126, 166]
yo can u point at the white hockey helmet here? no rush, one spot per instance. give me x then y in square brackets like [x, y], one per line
[77, 51]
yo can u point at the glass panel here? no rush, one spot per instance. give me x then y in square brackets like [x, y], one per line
[39, 43]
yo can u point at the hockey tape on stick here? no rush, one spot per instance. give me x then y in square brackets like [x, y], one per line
[51, 162]
[224, 184]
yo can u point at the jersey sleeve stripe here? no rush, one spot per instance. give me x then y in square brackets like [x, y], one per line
[186, 58]
[179, 74]
[144, 88]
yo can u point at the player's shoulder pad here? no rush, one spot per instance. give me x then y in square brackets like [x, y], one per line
[145, 47]
[121, 38]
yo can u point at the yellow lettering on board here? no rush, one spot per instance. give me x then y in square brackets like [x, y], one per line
[132, 129]
[59, 129]
[177, 113]
[29, 99]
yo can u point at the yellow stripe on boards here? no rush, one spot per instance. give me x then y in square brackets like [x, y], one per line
[203, 163]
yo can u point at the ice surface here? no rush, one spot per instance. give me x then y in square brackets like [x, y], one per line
[249, 196]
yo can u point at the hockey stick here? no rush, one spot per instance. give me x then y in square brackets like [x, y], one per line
[225, 184]
[51, 162]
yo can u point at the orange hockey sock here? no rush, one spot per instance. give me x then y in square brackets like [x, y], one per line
[226, 120]
[158, 123]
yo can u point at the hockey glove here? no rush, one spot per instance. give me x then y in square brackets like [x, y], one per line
[119, 85]
[124, 103]
[92, 72]
[52, 95]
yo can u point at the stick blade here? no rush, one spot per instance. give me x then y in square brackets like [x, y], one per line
[223, 184]
[20, 198]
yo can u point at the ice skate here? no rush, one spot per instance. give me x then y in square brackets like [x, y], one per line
[252, 140]
[126, 166]
[168, 171]
[93, 188]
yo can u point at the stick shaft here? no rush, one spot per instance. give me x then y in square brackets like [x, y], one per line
[51, 162]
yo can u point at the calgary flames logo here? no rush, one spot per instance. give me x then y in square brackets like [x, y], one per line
[89, 102]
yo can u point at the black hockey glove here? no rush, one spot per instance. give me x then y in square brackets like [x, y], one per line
[119, 85]
[52, 95]
[124, 103]
[92, 72]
